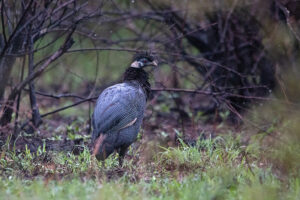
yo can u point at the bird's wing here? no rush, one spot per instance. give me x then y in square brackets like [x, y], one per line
[117, 107]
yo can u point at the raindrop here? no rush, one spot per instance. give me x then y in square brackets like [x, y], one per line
[132, 1]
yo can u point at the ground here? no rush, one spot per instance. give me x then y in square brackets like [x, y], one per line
[220, 164]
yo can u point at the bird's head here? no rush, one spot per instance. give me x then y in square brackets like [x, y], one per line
[143, 60]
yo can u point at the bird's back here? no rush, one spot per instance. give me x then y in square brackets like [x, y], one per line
[117, 107]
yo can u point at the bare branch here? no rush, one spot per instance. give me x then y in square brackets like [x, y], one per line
[36, 118]
[7, 110]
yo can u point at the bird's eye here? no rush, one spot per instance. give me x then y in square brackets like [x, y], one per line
[144, 60]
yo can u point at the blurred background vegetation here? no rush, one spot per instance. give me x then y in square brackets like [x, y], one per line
[226, 68]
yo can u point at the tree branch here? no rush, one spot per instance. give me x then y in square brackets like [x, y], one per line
[36, 118]
[8, 108]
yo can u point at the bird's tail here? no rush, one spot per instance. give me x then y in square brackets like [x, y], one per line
[98, 143]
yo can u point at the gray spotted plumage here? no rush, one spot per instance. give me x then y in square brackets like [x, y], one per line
[119, 113]
[117, 106]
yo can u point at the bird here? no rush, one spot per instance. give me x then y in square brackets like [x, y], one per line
[119, 110]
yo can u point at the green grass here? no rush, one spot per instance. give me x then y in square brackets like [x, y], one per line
[220, 168]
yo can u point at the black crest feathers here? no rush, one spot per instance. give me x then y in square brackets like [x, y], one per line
[141, 55]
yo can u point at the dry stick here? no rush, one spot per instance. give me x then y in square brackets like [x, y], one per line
[83, 100]
[187, 91]
[92, 92]
[289, 20]
[227, 20]
[19, 96]
[203, 92]
[63, 5]
[2, 22]
[95, 97]
[232, 109]
[36, 118]
[60, 109]
[56, 96]
[69, 106]
[103, 49]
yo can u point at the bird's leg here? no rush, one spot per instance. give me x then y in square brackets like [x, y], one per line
[122, 152]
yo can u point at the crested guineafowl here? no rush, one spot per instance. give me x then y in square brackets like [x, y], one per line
[119, 110]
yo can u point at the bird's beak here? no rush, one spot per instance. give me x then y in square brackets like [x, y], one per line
[154, 63]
